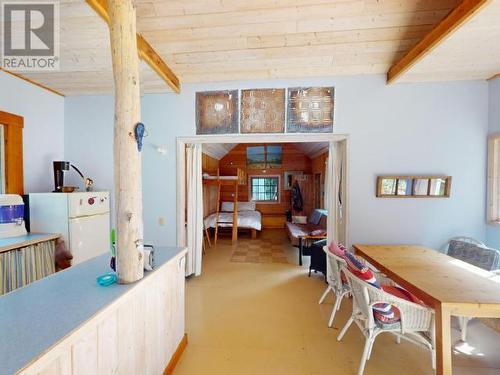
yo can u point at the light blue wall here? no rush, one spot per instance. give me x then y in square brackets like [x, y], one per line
[435, 128]
[43, 133]
[493, 231]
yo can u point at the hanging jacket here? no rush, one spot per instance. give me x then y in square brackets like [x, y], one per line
[297, 202]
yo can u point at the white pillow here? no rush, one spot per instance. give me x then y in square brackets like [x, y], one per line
[242, 206]
[299, 219]
[246, 206]
[226, 206]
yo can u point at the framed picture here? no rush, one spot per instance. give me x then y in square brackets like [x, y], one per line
[262, 111]
[217, 112]
[413, 186]
[256, 157]
[263, 157]
[310, 110]
[287, 178]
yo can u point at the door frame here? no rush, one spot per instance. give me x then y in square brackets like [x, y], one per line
[339, 139]
[13, 152]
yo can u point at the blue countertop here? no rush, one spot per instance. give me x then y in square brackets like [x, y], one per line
[34, 318]
[28, 239]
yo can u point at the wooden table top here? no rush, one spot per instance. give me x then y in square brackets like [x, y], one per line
[432, 276]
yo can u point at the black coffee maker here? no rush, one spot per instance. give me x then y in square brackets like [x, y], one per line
[59, 168]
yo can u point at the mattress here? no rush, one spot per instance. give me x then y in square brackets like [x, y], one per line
[208, 177]
[246, 219]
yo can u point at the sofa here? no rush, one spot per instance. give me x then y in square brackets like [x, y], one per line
[302, 235]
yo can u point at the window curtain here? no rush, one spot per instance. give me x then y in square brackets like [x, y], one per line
[334, 195]
[194, 202]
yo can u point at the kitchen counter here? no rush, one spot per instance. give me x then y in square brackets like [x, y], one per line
[35, 318]
[11, 243]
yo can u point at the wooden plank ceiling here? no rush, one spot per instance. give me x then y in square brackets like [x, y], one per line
[221, 40]
[471, 52]
[219, 150]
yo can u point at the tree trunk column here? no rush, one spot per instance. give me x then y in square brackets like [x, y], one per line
[127, 159]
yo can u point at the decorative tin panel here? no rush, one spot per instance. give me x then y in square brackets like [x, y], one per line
[310, 109]
[263, 111]
[217, 112]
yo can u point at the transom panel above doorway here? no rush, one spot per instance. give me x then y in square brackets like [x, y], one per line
[292, 110]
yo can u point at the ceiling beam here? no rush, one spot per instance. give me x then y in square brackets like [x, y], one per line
[495, 76]
[29, 80]
[146, 52]
[457, 17]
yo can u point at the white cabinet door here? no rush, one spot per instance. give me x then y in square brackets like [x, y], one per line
[89, 237]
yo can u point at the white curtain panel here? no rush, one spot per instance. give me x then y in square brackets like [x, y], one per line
[194, 209]
[340, 179]
[329, 193]
[333, 180]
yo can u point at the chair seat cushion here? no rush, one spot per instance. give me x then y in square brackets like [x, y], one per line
[387, 314]
[396, 325]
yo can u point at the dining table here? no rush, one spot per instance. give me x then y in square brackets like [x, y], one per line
[448, 285]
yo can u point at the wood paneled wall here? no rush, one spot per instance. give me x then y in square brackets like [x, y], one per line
[318, 166]
[209, 165]
[292, 160]
[13, 146]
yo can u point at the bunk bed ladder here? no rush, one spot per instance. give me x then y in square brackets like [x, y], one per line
[217, 208]
[234, 222]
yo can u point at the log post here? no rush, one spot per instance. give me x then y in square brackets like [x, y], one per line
[127, 159]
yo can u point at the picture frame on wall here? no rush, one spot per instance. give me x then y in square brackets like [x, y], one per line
[262, 111]
[263, 157]
[310, 110]
[217, 112]
[413, 187]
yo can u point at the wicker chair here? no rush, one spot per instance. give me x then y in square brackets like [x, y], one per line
[335, 284]
[416, 324]
[476, 253]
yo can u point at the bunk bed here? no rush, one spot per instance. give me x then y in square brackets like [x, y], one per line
[225, 217]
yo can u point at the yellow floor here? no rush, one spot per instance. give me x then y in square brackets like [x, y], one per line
[264, 318]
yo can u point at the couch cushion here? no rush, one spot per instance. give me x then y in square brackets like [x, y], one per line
[315, 217]
[322, 222]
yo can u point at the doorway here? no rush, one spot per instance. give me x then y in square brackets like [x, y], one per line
[189, 205]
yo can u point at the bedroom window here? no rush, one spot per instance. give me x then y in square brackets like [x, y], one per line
[264, 188]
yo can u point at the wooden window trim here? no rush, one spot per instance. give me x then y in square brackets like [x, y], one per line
[264, 176]
[493, 185]
[13, 146]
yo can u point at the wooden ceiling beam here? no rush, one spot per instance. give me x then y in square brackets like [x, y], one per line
[33, 82]
[495, 76]
[145, 50]
[456, 18]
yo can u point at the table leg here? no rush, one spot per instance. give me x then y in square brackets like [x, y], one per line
[300, 251]
[443, 341]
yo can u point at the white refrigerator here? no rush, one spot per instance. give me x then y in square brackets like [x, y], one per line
[81, 218]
